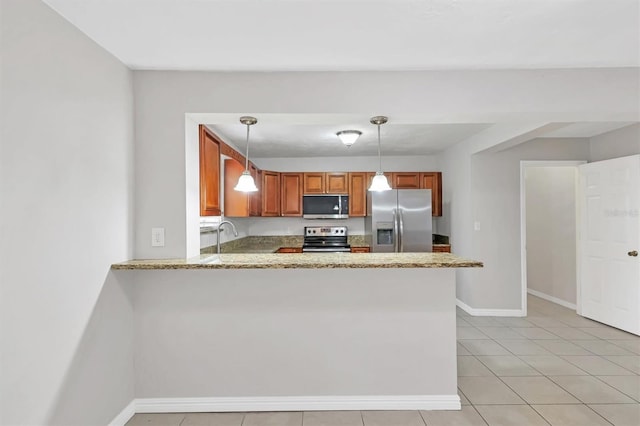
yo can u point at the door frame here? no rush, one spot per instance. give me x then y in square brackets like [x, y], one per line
[523, 221]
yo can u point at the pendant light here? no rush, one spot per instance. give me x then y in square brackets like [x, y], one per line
[349, 137]
[246, 183]
[379, 182]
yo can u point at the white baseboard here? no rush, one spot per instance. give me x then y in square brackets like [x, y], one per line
[489, 312]
[552, 299]
[125, 415]
[302, 403]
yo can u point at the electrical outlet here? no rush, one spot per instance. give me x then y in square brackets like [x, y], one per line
[157, 237]
[476, 226]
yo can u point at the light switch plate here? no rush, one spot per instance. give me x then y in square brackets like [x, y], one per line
[157, 237]
[476, 226]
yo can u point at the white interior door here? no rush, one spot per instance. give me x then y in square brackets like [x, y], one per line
[609, 271]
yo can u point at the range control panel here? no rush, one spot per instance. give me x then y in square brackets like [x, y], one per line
[325, 231]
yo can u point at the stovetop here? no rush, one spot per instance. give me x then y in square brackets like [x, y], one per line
[325, 238]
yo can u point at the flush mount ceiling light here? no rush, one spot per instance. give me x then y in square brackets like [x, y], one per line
[379, 182]
[349, 137]
[246, 183]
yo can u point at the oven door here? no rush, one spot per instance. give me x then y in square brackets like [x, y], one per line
[326, 249]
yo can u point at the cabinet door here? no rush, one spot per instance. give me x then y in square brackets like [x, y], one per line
[209, 175]
[357, 194]
[405, 180]
[291, 194]
[433, 181]
[270, 193]
[336, 183]
[314, 183]
[236, 203]
[255, 198]
[360, 250]
[289, 250]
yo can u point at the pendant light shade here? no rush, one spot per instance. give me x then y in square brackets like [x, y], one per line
[349, 137]
[379, 182]
[246, 183]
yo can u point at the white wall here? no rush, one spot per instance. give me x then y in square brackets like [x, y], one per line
[164, 183]
[618, 143]
[67, 193]
[550, 207]
[495, 195]
[293, 225]
[281, 333]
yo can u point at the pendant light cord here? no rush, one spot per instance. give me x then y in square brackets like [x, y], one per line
[379, 155]
[246, 164]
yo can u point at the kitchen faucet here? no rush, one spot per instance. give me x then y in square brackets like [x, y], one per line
[235, 232]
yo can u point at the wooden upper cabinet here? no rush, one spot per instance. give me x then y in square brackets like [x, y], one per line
[314, 183]
[236, 203]
[405, 180]
[270, 193]
[209, 174]
[326, 183]
[291, 194]
[336, 182]
[255, 198]
[433, 181]
[357, 194]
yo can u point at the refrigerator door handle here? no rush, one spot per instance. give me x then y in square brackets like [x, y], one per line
[401, 221]
[395, 231]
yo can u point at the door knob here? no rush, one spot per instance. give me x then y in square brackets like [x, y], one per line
[633, 253]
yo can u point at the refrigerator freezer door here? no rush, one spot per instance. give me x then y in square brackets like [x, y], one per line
[383, 221]
[415, 220]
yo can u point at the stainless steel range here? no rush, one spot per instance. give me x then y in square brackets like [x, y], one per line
[325, 239]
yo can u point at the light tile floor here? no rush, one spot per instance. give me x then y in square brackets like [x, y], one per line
[551, 368]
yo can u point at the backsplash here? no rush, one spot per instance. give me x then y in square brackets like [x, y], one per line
[268, 244]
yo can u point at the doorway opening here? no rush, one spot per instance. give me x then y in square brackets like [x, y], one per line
[549, 230]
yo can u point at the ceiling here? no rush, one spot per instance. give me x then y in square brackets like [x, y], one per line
[274, 140]
[275, 35]
[278, 140]
[341, 35]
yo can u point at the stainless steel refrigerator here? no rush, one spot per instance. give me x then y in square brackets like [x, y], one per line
[399, 221]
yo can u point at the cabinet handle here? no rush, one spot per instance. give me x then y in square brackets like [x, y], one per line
[633, 253]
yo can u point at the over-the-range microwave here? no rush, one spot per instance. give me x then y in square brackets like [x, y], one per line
[325, 206]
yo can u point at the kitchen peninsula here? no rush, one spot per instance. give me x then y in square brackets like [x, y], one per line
[271, 332]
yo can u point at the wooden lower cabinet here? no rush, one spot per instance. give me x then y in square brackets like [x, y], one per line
[357, 194]
[270, 193]
[441, 248]
[289, 250]
[360, 250]
[291, 194]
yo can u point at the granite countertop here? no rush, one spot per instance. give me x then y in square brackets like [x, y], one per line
[271, 243]
[305, 261]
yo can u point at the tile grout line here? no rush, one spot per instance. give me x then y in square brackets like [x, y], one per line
[560, 339]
